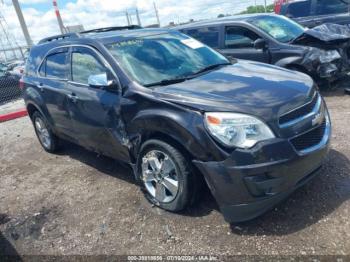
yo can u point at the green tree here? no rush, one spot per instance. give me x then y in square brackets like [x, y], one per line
[258, 9]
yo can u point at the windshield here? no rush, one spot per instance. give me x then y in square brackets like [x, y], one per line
[280, 28]
[153, 59]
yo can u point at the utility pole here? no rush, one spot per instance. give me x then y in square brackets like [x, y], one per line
[265, 7]
[127, 17]
[22, 22]
[59, 18]
[130, 18]
[156, 11]
[138, 17]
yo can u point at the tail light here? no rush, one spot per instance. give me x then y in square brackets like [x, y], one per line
[21, 84]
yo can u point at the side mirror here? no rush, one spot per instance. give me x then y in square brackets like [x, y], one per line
[260, 44]
[101, 81]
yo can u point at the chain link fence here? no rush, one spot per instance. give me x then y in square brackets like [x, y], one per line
[9, 86]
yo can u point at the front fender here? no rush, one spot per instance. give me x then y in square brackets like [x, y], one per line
[296, 60]
[182, 125]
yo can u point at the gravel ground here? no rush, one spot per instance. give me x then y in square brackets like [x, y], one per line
[80, 203]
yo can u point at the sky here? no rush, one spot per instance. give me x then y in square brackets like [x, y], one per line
[41, 20]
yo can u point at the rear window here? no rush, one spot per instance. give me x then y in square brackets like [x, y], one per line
[297, 9]
[324, 7]
[207, 35]
[55, 66]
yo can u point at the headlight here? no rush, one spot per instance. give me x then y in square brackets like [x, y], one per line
[237, 130]
[329, 56]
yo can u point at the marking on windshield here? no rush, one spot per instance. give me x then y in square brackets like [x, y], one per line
[192, 43]
[127, 43]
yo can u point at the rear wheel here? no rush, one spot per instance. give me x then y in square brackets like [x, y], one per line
[46, 138]
[165, 176]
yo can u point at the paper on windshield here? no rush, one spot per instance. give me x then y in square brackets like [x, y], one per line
[192, 43]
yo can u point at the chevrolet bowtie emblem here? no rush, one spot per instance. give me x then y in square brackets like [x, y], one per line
[318, 119]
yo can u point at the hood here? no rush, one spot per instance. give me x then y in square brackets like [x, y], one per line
[326, 34]
[245, 87]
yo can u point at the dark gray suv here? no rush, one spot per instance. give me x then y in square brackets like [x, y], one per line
[177, 111]
[277, 40]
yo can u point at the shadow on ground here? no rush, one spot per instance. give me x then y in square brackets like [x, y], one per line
[305, 207]
[105, 165]
[7, 250]
[337, 89]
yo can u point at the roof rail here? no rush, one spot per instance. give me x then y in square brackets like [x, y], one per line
[113, 28]
[59, 37]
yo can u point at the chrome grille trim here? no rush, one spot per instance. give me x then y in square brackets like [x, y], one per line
[314, 112]
[323, 143]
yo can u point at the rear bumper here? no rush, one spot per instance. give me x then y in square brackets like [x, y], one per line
[250, 182]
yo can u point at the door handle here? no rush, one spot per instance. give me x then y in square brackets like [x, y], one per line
[41, 87]
[73, 97]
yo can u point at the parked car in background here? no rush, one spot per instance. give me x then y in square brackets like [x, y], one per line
[9, 86]
[276, 40]
[312, 13]
[18, 69]
[178, 111]
[13, 64]
[3, 67]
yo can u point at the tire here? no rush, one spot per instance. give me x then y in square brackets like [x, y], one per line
[47, 139]
[157, 179]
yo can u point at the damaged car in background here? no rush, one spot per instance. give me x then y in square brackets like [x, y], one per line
[321, 52]
[181, 115]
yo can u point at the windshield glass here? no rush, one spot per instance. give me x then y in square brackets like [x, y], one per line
[280, 28]
[161, 57]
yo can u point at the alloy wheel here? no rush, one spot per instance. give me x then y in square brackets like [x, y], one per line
[159, 176]
[43, 132]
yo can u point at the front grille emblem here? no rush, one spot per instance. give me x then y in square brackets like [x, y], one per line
[318, 119]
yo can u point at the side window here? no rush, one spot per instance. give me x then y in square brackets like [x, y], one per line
[239, 37]
[56, 66]
[42, 70]
[324, 7]
[298, 9]
[85, 65]
[207, 35]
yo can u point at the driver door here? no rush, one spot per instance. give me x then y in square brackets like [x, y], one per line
[95, 112]
[239, 43]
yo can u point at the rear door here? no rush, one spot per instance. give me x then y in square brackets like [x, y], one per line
[239, 43]
[52, 85]
[95, 112]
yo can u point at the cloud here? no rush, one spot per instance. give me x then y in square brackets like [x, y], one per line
[96, 13]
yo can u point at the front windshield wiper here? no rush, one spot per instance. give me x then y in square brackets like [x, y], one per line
[296, 38]
[211, 67]
[168, 82]
[183, 79]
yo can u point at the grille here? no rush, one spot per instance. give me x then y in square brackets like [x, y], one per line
[309, 139]
[302, 111]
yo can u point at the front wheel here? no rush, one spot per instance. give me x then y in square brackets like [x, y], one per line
[165, 176]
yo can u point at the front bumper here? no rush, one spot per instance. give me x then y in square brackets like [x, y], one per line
[332, 71]
[250, 182]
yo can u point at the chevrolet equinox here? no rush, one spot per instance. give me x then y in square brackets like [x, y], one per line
[179, 113]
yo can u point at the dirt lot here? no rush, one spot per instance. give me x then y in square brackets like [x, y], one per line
[79, 203]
